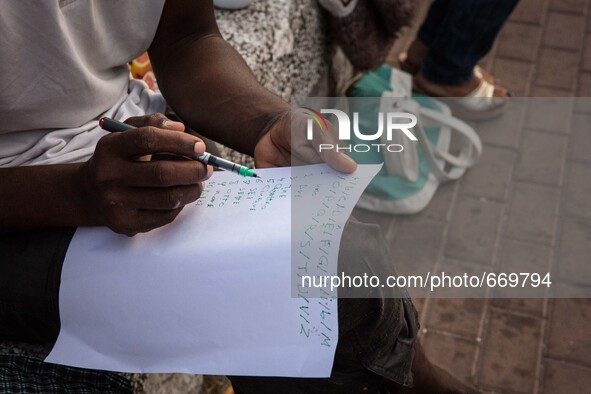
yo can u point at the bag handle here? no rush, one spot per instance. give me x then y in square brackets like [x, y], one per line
[469, 154]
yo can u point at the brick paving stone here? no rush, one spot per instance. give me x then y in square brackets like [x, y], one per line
[504, 131]
[541, 158]
[415, 249]
[518, 257]
[565, 31]
[578, 192]
[532, 213]
[421, 240]
[455, 355]
[557, 68]
[453, 287]
[514, 75]
[568, 337]
[461, 314]
[381, 219]
[510, 356]
[560, 377]
[473, 229]
[534, 307]
[550, 114]
[580, 140]
[584, 90]
[490, 178]
[583, 100]
[530, 11]
[519, 41]
[571, 262]
[575, 6]
[438, 208]
[542, 91]
[586, 62]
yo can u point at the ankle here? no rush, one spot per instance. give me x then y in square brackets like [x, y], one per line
[412, 60]
[441, 90]
[417, 51]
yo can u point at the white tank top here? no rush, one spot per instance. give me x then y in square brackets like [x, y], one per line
[63, 65]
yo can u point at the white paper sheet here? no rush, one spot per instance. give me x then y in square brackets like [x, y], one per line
[209, 294]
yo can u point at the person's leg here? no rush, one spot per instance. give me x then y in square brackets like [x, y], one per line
[464, 36]
[377, 347]
[412, 59]
[430, 27]
[377, 330]
[30, 270]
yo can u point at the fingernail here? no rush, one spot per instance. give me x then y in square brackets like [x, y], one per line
[209, 172]
[199, 148]
[171, 124]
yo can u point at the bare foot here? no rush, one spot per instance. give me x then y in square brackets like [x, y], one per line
[422, 85]
[412, 61]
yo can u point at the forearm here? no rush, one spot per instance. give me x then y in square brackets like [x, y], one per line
[211, 88]
[42, 196]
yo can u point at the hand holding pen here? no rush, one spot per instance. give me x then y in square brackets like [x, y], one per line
[131, 196]
[112, 125]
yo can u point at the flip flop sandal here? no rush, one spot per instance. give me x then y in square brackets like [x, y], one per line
[413, 69]
[480, 104]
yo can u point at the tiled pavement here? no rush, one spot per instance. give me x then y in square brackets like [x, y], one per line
[527, 203]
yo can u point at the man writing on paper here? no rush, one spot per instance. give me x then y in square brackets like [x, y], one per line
[63, 65]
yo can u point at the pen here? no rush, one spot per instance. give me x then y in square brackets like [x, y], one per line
[114, 126]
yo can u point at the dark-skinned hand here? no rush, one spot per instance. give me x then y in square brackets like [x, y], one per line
[130, 193]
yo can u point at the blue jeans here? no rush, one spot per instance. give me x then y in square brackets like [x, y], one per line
[459, 33]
